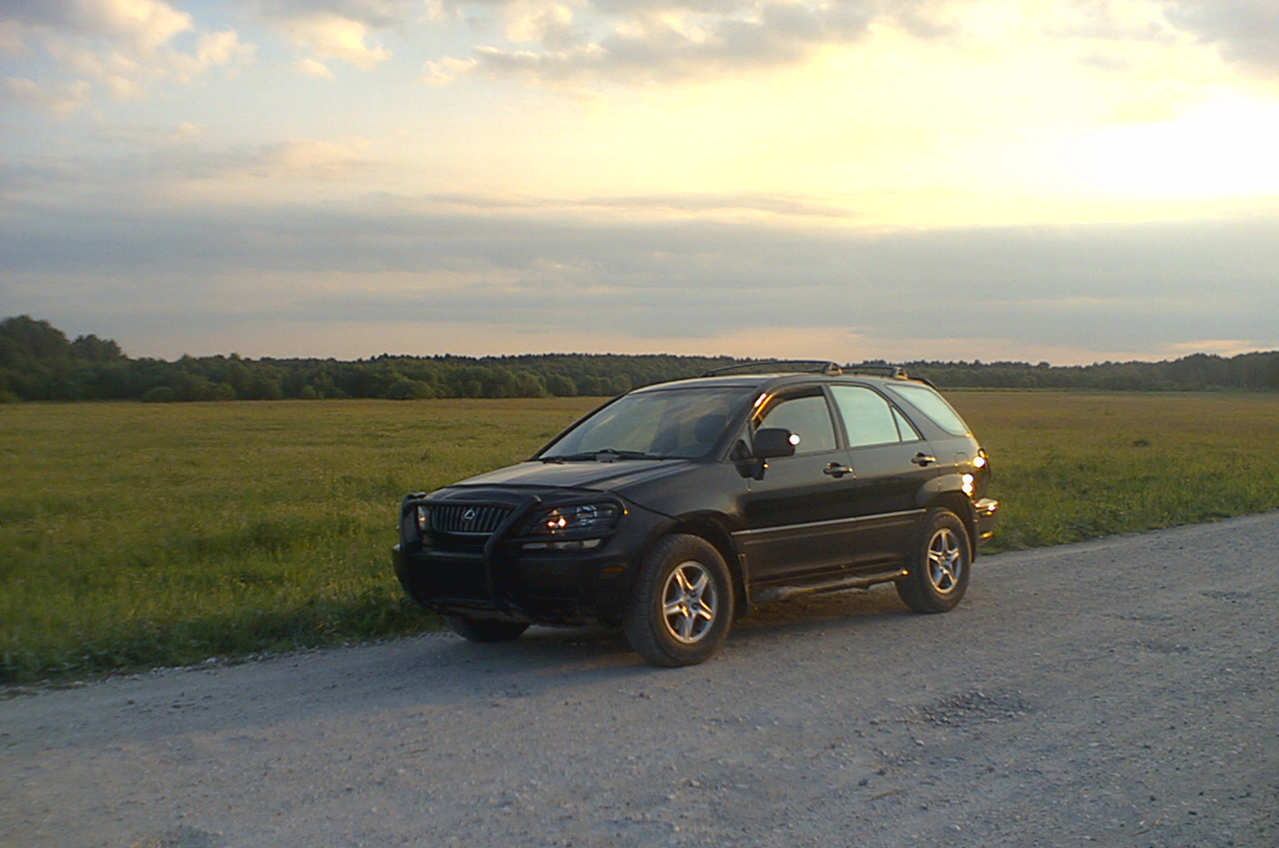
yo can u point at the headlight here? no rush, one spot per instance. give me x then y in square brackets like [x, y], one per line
[579, 521]
[422, 516]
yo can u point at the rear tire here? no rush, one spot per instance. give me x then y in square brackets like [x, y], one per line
[939, 566]
[485, 629]
[683, 603]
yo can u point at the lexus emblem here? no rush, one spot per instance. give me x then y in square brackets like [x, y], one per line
[469, 515]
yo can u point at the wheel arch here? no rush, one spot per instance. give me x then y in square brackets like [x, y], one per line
[708, 528]
[962, 507]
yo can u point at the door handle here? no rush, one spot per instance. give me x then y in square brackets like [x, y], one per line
[921, 459]
[837, 470]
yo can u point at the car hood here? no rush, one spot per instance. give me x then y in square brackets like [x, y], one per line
[598, 476]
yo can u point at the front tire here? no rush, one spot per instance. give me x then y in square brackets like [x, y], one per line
[485, 629]
[939, 566]
[683, 602]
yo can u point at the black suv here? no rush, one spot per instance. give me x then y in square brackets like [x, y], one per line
[671, 508]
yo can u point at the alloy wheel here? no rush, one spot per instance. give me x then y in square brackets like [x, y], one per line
[689, 602]
[945, 561]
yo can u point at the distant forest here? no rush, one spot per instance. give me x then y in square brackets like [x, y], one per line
[39, 362]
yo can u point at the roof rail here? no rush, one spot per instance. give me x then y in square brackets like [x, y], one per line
[816, 366]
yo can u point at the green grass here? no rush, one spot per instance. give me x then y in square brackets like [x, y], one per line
[1072, 466]
[138, 534]
[134, 535]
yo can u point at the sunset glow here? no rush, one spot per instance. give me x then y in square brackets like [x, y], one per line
[348, 177]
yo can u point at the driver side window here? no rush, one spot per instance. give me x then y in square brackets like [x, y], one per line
[808, 417]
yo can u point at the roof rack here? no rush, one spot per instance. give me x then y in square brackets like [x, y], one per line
[816, 366]
[897, 372]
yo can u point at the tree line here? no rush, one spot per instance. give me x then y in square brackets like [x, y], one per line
[39, 362]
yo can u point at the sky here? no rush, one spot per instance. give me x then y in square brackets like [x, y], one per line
[844, 179]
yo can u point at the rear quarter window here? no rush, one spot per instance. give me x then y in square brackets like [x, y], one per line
[933, 405]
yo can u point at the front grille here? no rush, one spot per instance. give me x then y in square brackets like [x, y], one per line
[479, 519]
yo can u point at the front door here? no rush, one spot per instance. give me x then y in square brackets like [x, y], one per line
[797, 516]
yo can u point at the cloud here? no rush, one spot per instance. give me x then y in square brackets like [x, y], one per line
[312, 68]
[212, 50]
[55, 98]
[928, 18]
[11, 37]
[121, 47]
[1221, 347]
[186, 130]
[668, 45]
[373, 260]
[1105, 20]
[329, 36]
[663, 40]
[544, 21]
[316, 159]
[445, 71]
[1245, 31]
[145, 24]
[338, 30]
[697, 203]
[375, 14]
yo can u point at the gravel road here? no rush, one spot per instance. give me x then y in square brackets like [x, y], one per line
[1120, 692]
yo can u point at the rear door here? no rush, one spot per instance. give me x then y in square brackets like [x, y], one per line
[890, 463]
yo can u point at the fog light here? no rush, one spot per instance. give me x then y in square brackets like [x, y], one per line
[967, 485]
[571, 545]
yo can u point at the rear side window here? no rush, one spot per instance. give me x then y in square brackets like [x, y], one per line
[868, 418]
[908, 431]
[933, 405]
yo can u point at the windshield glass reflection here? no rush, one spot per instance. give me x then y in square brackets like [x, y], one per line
[665, 424]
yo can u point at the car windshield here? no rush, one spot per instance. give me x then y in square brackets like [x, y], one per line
[658, 424]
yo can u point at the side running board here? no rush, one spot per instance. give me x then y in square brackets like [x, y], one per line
[858, 581]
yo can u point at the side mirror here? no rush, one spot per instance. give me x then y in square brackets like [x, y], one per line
[775, 441]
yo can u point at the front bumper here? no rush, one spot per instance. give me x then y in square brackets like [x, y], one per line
[553, 590]
[504, 581]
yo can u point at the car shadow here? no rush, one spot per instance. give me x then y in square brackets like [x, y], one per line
[582, 656]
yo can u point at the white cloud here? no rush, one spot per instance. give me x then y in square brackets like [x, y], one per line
[330, 36]
[121, 75]
[312, 68]
[150, 22]
[186, 130]
[446, 70]
[219, 48]
[666, 44]
[212, 50]
[56, 98]
[120, 47]
[315, 158]
[544, 21]
[676, 39]
[373, 13]
[145, 24]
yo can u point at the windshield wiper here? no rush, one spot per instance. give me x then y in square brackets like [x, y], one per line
[601, 455]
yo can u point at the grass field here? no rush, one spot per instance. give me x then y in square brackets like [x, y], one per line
[147, 534]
